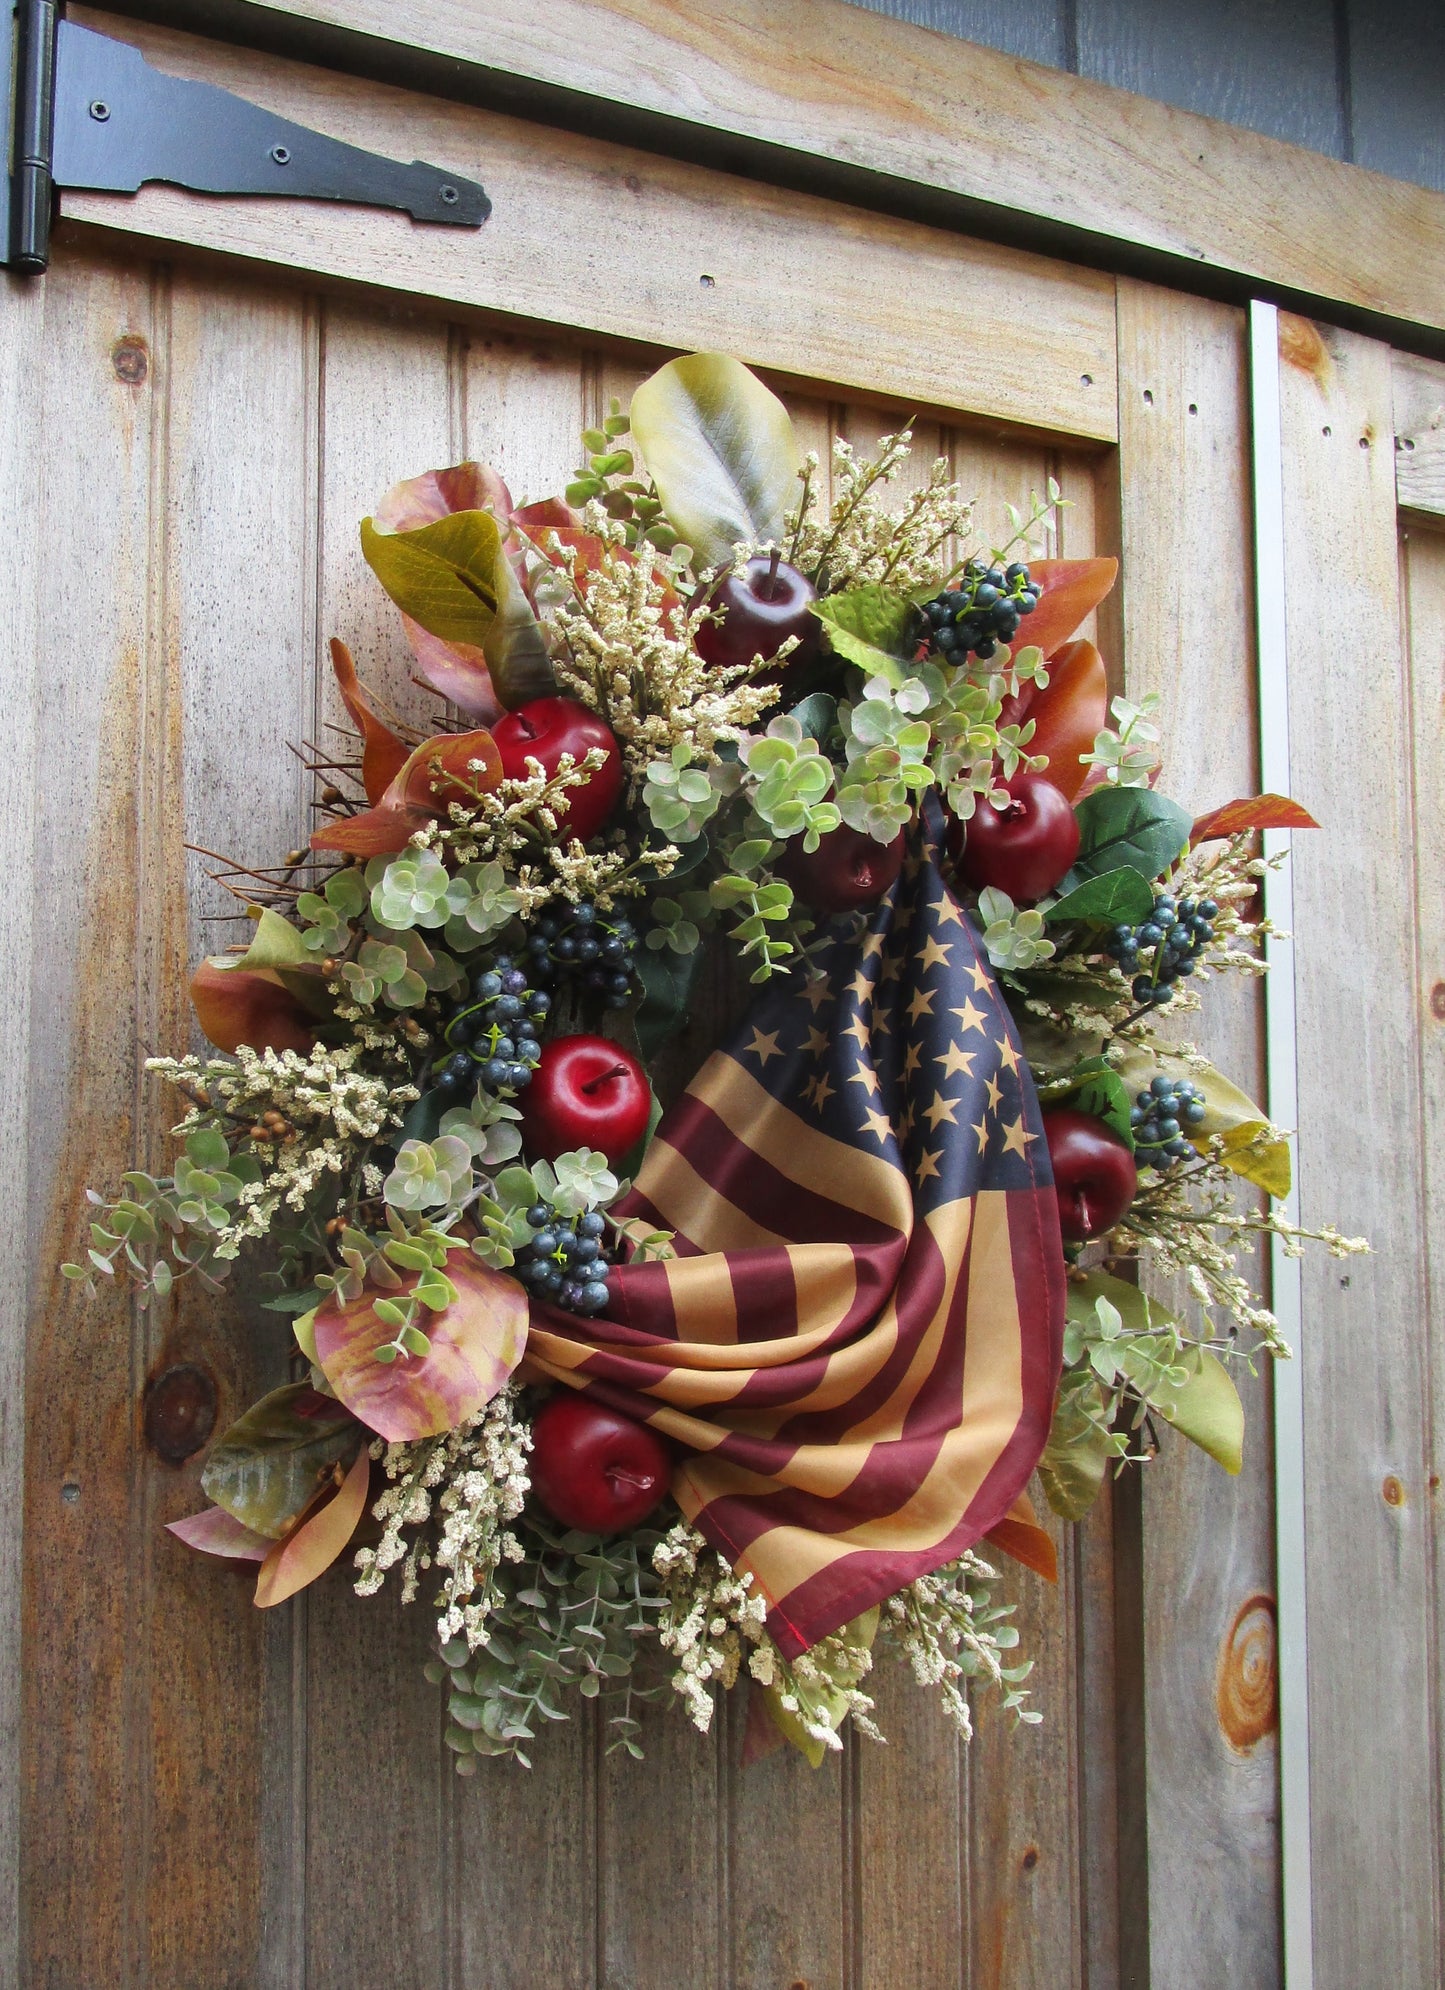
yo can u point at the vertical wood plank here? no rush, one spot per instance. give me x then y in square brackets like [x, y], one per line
[1366, 1380]
[22, 315]
[376, 1868]
[1208, 1555]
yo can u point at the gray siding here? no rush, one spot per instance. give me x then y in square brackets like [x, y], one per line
[1359, 79]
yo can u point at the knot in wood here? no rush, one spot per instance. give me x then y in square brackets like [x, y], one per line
[1247, 1690]
[180, 1411]
[130, 360]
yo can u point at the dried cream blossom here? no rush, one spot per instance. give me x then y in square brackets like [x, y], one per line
[948, 1630]
[860, 538]
[709, 1614]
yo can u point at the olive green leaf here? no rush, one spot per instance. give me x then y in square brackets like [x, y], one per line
[270, 1462]
[1127, 828]
[721, 450]
[872, 627]
[1206, 1408]
[443, 575]
[1094, 1086]
[1251, 1150]
[1077, 1455]
[1112, 898]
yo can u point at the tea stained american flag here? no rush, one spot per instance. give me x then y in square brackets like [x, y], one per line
[859, 1339]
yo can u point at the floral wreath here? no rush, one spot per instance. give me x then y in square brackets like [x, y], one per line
[650, 1402]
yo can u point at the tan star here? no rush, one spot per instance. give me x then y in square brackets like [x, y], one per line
[948, 912]
[819, 1090]
[815, 991]
[922, 1003]
[1008, 1057]
[817, 1041]
[861, 985]
[891, 969]
[882, 1025]
[864, 1075]
[1016, 1138]
[877, 1122]
[940, 1110]
[858, 1030]
[969, 1018]
[979, 974]
[764, 1047]
[933, 954]
[980, 1127]
[910, 1060]
[955, 1060]
[928, 1166]
[874, 945]
[995, 1094]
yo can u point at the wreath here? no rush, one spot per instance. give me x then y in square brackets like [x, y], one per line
[646, 1402]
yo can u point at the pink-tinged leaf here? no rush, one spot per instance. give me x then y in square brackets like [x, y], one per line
[438, 493]
[216, 1532]
[312, 1546]
[1251, 812]
[761, 1734]
[457, 670]
[548, 514]
[475, 1345]
[383, 755]
[438, 773]
[233, 1006]
[1072, 589]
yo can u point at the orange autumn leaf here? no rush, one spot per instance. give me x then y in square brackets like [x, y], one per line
[1021, 1536]
[1072, 589]
[312, 1546]
[236, 1005]
[1251, 812]
[437, 773]
[383, 755]
[1067, 716]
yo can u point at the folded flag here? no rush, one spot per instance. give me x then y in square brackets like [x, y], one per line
[859, 1339]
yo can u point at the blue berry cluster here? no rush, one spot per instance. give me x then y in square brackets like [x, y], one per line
[1161, 1119]
[1173, 936]
[579, 942]
[984, 610]
[492, 1033]
[565, 1263]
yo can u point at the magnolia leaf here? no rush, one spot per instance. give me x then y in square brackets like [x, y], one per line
[721, 450]
[310, 1549]
[475, 1343]
[1076, 1457]
[1069, 590]
[444, 575]
[1230, 1113]
[216, 1532]
[1137, 1311]
[383, 755]
[1120, 897]
[667, 982]
[1067, 714]
[304, 1328]
[269, 1463]
[824, 1707]
[1253, 812]
[436, 774]
[234, 1006]
[1207, 1409]
[817, 714]
[1127, 828]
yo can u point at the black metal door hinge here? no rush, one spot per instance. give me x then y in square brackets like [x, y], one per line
[88, 112]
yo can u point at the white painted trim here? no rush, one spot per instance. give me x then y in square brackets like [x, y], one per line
[1267, 454]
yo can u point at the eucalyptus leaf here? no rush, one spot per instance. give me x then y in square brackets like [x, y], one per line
[1119, 897]
[270, 1462]
[720, 448]
[1127, 828]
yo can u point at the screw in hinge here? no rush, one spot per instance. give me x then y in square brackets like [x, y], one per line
[281, 154]
[100, 111]
[450, 195]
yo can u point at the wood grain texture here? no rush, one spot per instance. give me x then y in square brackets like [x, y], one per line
[22, 312]
[1039, 31]
[1187, 604]
[850, 103]
[1366, 1375]
[592, 236]
[1418, 397]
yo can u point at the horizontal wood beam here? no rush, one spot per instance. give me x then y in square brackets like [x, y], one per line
[610, 241]
[832, 99]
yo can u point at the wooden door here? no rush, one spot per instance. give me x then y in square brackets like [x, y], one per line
[201, 399]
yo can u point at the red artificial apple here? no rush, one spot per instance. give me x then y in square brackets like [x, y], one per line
[595, 1469]
[1094, 1173]
[1025, 847]
[547, 728]
[848, 871]
[585, 1092]
[755, 612]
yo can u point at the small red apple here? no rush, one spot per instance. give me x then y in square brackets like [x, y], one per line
[848, 871]
[1094, 1173]
[585, 1092]
[595, 1469]
[756, 611]
[547, 728]
[1025, 847]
